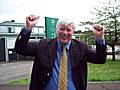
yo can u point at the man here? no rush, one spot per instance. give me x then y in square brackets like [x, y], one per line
[48, 54]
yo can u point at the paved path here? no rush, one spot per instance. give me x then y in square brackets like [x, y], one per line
[14, 71]
[22, 69]
[103, 86]
[91, 86]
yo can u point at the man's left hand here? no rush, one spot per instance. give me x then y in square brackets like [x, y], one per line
[98, 30]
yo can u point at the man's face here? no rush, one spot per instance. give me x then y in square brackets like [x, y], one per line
[64, 33]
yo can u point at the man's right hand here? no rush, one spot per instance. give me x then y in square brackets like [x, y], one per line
[31, 21]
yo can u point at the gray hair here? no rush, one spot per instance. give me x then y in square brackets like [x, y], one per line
[65, 22]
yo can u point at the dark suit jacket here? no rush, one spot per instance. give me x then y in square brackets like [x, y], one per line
[45, 52]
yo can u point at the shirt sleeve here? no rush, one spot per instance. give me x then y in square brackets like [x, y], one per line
[100, 41]
[25, 31]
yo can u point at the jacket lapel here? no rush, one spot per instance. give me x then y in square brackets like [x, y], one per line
[75, 53]
[52, 52]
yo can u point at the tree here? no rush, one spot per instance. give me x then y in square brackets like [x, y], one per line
[109, 16]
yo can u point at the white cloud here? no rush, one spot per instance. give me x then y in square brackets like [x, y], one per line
[18, 9]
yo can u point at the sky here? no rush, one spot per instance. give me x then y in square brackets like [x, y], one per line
[78, 10]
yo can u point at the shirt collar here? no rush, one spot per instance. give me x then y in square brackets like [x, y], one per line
[67, 46]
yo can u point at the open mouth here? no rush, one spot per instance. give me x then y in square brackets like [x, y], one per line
[64, 38]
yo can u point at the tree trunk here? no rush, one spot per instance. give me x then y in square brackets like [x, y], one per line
[113, 53]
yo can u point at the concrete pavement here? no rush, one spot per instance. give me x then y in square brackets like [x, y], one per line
[14, 71]
[91, 86]
[22, 69]
[103, 86]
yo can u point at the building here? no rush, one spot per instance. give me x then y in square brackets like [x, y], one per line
[9, 31]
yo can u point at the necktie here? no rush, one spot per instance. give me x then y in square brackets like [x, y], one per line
[63, 71]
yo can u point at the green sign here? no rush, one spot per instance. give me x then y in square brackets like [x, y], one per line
[50, 27]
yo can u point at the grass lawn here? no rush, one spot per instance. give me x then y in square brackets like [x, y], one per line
[21, 82]
[110, 71]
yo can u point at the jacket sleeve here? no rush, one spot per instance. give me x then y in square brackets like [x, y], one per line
[98, 57]
[22, 44]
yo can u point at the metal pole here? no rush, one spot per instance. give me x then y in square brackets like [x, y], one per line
[6, 51]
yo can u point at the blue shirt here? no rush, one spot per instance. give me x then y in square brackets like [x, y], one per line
[53, 82]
